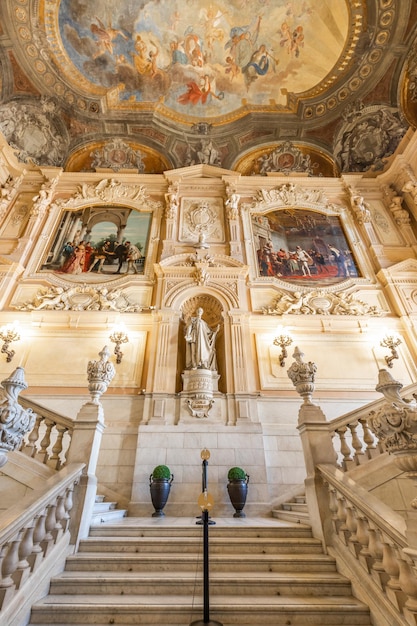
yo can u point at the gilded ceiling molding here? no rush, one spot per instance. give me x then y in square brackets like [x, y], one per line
[319, 302]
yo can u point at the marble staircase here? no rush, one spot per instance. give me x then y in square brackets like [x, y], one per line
[294, 510]
[263, 571]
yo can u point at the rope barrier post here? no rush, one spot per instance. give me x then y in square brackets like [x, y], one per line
[205, 502]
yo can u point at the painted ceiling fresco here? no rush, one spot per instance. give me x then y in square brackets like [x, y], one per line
[203, 59]
[313, 87]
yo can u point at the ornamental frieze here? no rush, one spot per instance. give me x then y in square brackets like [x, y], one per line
[81, 298]
[318, 302]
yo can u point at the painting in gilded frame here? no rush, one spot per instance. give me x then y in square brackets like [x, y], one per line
[99, 242]
[303, 247]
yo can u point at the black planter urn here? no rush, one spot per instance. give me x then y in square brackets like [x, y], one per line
[160, 488]
[238, 491]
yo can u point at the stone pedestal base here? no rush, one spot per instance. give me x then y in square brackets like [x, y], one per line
[198, 388]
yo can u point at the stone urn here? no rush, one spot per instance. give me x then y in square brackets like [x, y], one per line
[237, 488]
[160, 482]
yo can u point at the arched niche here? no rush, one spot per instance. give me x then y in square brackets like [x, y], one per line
[213, 316]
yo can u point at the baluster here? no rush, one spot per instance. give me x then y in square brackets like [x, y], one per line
[46, 442]
[375, 549]
[68, 503]
[39, 534]
[333, 505]
[25, 549]
[33, 438]
[6, 584]
[50, 526]
[390, 561]
[60, 514]
[54, 460]
[70, 433]
[356, 442]
[367, 437]
[344, 448]
[341, 517]
[408, 582]
[11, 561]
[352, 524]
[362, 533]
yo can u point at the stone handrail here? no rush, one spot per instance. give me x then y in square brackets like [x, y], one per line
[353, 440]
[370, 539]
[50, 438]
[34, 533]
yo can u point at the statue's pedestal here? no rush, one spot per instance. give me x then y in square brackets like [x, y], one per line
[199, 385]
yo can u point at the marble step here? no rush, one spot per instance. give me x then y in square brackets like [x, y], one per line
[153, 562]
[174, 582]
[180, 610]
[218, 545]
[128, 527]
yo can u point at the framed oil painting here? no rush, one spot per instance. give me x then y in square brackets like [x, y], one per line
[303, 247]
[99, 242]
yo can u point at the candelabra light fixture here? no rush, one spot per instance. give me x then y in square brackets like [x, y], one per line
[118, 336]
[391, 342]
[283, 340]
[8, 334]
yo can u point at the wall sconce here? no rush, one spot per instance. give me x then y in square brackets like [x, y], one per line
[9, 333]
[391, 342]
[118, 337]
[282, 341]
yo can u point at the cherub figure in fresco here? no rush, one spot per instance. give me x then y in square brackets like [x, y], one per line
[286, 37]
[231, 67]
[297, 41]
[105, 37]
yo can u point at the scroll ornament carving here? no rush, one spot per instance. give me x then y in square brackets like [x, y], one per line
[395, 424]
[15, 421]
[109, 190]
[81, 298]
[100, 374]
[290, 194]
[8, 190]
[302, 375]
[319, 303]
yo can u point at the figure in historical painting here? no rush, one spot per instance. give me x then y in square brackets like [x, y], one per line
[200, 344]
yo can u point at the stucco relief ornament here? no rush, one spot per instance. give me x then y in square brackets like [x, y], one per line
[43, 199]
[15, 421]
[100, 374]
[109, 190]
[302, 375]
[232, 202]
[361, 209]
[172, 201]
[8, 191]
[395, 425]
[290, 194]
[80, 298]
[117, 155]
[201, 219]
[318, 302]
